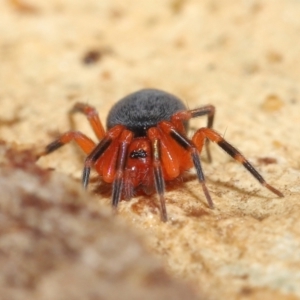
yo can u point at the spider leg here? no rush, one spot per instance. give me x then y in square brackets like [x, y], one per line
[92, 116]
[98, 151]
[85, 143]
[207, 133]
[191, 147]
[168, 156]
[208, 110]
[125, 139]
[154, 136]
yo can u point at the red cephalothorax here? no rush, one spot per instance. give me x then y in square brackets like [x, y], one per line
[146, 144]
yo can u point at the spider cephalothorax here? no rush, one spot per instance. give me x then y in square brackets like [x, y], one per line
[146, 144]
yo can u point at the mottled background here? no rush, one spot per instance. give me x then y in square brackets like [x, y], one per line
[241, 56]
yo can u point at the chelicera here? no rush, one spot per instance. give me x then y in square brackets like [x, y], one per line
[146, 144]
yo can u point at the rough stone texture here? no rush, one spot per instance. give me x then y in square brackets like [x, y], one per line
[241, 56]
[57, 243]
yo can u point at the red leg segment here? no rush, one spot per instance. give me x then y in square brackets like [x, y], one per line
[106, 164]
[85, 143]
[169, 159]
[92, 116]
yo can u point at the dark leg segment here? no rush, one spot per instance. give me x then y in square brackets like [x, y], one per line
[208, 110]
[125, 140]
[92, 157]
[187, 144]
[154, 136]
[85, 143]
[98, 151]
[158, 179]
[206, 133]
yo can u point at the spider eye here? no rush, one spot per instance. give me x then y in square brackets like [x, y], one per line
[140, 153]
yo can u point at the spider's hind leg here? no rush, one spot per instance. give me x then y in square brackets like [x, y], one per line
[206, 133]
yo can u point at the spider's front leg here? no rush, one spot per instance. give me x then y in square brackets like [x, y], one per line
[92, 115]
[206, 133]
[85, 143]
[124, 142]
[155, 138]
[182, 116]
[98, 151]
[185, 143]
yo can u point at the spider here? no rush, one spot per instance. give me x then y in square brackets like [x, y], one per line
[146, 144]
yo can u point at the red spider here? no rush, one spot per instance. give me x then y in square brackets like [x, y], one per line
[146, 144]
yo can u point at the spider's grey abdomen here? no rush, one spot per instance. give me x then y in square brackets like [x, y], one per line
[144, 109]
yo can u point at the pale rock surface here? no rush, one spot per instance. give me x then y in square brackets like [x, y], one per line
[241, 56]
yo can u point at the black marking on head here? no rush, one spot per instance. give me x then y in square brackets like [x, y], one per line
[144, 109]
[140, 153]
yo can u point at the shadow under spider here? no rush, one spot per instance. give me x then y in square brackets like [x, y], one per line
[104, 190]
